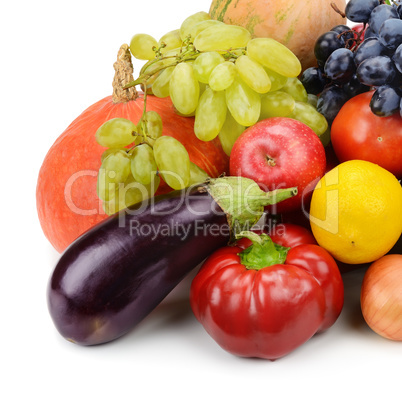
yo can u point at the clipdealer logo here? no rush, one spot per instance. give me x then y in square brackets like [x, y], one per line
[178, 230]
[68, 194]
[328, 222]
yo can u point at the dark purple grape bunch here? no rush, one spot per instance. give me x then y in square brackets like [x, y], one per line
[351, 62]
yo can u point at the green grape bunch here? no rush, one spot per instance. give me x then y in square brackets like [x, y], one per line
[136, 158]
[215, 72]
[224, 78]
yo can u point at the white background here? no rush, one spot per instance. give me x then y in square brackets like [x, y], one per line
[56, 61]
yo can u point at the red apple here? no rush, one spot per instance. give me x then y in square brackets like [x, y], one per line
[280, 153]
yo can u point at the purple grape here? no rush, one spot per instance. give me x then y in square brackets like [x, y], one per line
[313, 80]
[344, 32]
[369, 48]
[331, 101]
[354, 87]
[400, 108]
[376, 71]
[326, 44]
[380, 14]
[385, 101]
[390, 33]
[340, 66]
[368, 33]
[397, 58]
[399, 10]
[360, 10]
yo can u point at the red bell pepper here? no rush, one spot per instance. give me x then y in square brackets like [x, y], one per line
[266, 299]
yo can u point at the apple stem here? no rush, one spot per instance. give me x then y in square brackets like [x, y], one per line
[271, 161]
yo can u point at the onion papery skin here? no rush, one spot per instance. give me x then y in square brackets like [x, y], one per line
[381, 297]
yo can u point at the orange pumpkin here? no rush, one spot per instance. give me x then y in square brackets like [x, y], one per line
[67, 202]
[296, 24]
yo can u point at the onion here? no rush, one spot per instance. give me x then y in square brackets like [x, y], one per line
[381, 297]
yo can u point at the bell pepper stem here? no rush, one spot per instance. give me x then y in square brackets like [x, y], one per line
[263, 252]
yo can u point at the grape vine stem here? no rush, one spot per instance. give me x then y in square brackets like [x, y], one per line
[189, 54]
[336, 8]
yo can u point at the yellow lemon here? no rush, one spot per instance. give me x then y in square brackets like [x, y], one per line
[356, 212]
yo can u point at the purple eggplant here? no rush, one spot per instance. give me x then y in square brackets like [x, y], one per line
[116, 273]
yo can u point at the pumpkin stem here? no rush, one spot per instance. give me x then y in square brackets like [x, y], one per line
[123, 75]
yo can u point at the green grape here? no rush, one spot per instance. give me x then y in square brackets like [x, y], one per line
[190, 21]
[296, 89]
[153, 68]
[203, 87]
[205, 63]
[230, 132]
[210, 114]
[312, 100]
[116, 133]
[114, 169]
[192, 114]
[108, 207]
[129, 193]
[325, 138]
[171, 40]
[277, 80]
[141, 46]
[104, 187]
[117, 166]
[148, 84]
[222, 76]
[143, 165]
[147, 191]
[173, 162]
[111, 151]
[221, 38]
[160, 86]
[170, 57]
[276, 104]
[200, 26]
[184, 89]
[272, 54]
[197, 175]
[309, 115]
[151, 125]
[253, 74]
[243, 103]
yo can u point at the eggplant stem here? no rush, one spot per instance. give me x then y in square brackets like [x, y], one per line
[243, 201]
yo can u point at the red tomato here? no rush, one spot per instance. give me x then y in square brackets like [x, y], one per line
[266, 300]
[357, 133]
